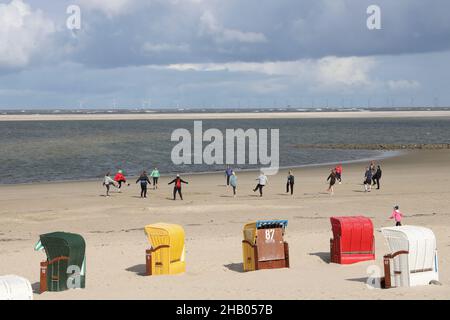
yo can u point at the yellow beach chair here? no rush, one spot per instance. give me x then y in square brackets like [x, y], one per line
[166, 255]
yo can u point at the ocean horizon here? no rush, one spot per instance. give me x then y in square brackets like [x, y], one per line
[277, 109]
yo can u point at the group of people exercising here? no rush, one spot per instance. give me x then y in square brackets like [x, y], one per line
[372, 177]
[144, 181]
[262, 179]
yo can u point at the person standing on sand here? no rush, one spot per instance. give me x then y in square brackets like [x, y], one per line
[228, 173]
[397, 216]
[107, 182]
[290, 183]
[339, 173]
[376, 177]
[233, 183]
[332, 179]
[368, 180]
[372, 168]
[262, 181]
[120, 178]
[177, 187]
[155, 175]
[144, 180]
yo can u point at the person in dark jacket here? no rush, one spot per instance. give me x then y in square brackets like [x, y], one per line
[290, 183]
[228, 174]
[368, 180]
[332, 178]
[177, 187]
[144, 180]
[376, 177]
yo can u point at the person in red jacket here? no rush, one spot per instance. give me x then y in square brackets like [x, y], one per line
[120, 178]
[338, 170]
[177, 187]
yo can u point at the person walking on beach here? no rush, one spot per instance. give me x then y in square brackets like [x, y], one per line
[144, 180]
[262, 181]
[155, 175]
[107, 182]
[368, 180]
[233, 183]
[228, 174]
[372, 167]
[290, 183]
[120, 178]
[177, 187]
[397, 216]
[339, 173]
[332, 179]
[376, 177]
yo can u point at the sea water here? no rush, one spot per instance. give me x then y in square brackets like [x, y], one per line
[40, 151]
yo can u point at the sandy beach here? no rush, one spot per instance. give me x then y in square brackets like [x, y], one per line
[113, 228]
[237, 115]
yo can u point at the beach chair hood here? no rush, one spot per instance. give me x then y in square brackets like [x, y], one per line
[62, 244]
[414, 253]
[64, 251]
[172, 235]
[353, 240]
[13, 287]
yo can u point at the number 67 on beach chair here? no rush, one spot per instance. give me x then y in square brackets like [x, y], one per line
[166, 255]
[264, 247]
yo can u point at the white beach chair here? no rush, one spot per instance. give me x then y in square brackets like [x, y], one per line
[15, 288]
[413, 258]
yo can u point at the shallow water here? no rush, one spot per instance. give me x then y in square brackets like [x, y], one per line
[77, 150]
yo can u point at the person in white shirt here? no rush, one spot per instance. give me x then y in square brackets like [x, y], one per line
[262, 181]
[107, 182]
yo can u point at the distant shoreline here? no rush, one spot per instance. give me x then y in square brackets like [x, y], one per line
[225, 116]
[377, 147]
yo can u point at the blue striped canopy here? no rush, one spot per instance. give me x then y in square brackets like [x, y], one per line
[264, 223]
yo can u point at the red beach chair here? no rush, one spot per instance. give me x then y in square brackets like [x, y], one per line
[353, 240]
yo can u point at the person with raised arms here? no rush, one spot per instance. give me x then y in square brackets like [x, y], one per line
[177, 187]
[144, 180]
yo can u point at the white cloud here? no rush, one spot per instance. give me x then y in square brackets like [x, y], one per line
[346, 71]
[403, 84]
[23, 33]
[150, 47]
[328, 72]
[210, 26]
[108, 7]
[268, 68]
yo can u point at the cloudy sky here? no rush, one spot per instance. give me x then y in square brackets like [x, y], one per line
[224, 53]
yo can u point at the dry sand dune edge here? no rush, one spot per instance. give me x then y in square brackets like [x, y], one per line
[236, 116]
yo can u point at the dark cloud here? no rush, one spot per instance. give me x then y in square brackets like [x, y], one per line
[124, 55]
[287, 30]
